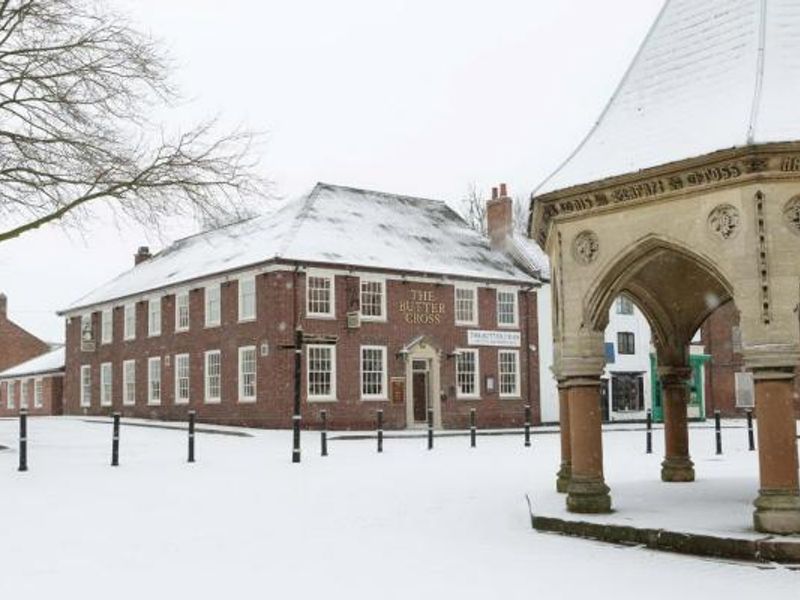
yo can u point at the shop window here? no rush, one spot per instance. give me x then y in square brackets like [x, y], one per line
[627, 392]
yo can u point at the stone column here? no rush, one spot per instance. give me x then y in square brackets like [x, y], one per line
[565, 472]
[778, 502]
[677, 466]
[587, 491]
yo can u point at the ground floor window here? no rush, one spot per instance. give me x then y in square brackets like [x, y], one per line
[105, 384]
[467, 373]
[321, 372]
[213, 376]
[23, 394]
[129, 382]
[86, 385]
[38, 394]
[247, 374]
[627, 392]
[181, 379]
[373, 372]
[508, 372]
[154, 380]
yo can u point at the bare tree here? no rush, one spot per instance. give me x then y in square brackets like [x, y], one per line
[77, 82]
[473, 209]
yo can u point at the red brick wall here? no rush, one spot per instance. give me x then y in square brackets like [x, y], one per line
[725, 362]
[17, 345]
[52, 390]
[279, 301]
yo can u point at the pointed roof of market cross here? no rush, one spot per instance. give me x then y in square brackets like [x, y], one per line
[710, 76]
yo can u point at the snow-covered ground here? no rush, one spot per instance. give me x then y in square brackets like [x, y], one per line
[244, 522]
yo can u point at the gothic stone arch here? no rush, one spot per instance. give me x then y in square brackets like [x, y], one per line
[681, 240]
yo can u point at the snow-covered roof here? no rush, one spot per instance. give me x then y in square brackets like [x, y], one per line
[711, 75]
[49, 362]
[333, 225]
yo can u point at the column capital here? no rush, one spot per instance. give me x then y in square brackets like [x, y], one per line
[674, 376]
[581, 368]
[772, 361]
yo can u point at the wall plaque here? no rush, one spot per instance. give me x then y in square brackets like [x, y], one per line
[398, 390]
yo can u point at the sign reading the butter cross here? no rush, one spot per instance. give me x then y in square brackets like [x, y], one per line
[423, 307]
[504, 339]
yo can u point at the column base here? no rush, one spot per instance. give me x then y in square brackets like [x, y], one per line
[777, 511]
[588, 496]
[677, 470]
[564, 476]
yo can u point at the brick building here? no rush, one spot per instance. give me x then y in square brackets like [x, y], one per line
[36, 385]
[403, 308]
[16, 344]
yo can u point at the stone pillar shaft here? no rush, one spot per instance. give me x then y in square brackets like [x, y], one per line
[677, 466]
[778, 503]
[587, 491]
[565, 472]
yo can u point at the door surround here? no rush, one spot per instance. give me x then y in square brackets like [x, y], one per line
[423, 349]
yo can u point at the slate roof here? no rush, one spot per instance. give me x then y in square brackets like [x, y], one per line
[711, 75]
[334, 225]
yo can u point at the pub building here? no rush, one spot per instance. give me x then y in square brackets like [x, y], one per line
[402, 307]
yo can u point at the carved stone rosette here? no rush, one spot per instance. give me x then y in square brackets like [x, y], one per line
[585, 247]
[791, 213]
[723, 222]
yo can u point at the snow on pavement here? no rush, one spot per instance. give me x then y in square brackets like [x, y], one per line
[244, 522]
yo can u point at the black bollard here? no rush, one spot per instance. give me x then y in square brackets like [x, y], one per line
[751, 440]
[115, 442]
[527, 425]
[718, 429]
[23, 440]
[192, 415]
[472, 428]
[323, 434]
[649, 449]
[380, 431]
[430, 429]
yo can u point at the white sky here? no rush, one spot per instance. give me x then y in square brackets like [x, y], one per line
[418, 97]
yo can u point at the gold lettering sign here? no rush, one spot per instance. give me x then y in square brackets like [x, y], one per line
[422, 308]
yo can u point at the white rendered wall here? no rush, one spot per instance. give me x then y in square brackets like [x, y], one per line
[548, 390]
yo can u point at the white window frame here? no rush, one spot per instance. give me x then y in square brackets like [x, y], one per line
[182, 301]
[372, 279]
[107, 326]
[216, 288]
[154, 317]
[24, 388]
[207, 398]
[179, 358]
[384, 395]
[250, 280]
[129, 383]
[86, 386]
[106, 384]
[245, 399]
[474, 291]
[151, 399]
[517, 393]
[10, 393]
[331, 277]
[477, 393]
[129, 322]
[514, 294]
[38, 393]
[331, 397]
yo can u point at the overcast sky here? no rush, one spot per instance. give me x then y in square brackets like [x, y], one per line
[417, 97]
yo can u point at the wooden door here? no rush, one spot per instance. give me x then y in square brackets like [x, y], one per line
[420, 396]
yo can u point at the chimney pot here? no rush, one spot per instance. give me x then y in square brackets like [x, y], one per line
[494, 193]
[503, 192]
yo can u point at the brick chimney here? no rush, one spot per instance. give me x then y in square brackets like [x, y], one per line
[141, 255]
[3, 306]
[499, 216]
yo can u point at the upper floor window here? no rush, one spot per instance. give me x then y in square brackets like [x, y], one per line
[319, 295]
[624, 306]
[129, 323]
[182, 311]
[626, 342]
[467, 374]
[213, 306]
[373, 298]
[107, 326]
[154, 317]
[465, 306]
[247, 298]
[507, 308]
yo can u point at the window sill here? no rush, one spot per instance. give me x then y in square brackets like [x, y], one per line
[247, 400]
[212, 325]
[322, 400]
[321, 317]
[184, 330]
[510, 397]
[373, 319]
[181, 402]
[465, 324]
[247, 320]
[508, 325]
[374, 399]
[468, 397]
[153, 335]
[212, 401]
[153, 403]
